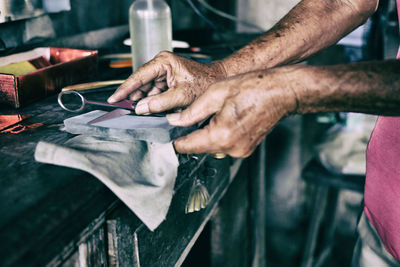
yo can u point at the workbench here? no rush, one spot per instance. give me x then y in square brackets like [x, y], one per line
[57, 216]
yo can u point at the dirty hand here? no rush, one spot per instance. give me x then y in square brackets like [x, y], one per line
[168, 81]
[244, 110]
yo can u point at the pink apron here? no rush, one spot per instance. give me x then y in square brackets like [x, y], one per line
[382, 186]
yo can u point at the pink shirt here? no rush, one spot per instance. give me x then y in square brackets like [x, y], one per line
[382, 185]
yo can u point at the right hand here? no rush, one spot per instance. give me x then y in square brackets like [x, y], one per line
[242, 110]
[168, 81]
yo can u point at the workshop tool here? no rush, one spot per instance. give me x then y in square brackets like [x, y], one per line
[198, 197]
[111, 115]
[92, 85]
[130, 127]
[219, 155]
[124, 107]
[79, 102]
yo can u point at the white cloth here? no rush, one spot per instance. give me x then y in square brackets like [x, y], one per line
[141, 174]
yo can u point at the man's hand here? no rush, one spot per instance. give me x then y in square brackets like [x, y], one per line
[168, 81]
[244, 110]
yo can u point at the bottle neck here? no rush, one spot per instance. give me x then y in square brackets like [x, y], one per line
[150, 5]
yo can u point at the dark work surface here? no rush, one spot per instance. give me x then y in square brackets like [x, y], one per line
[45, 207]
[135, 245]
[41, 202]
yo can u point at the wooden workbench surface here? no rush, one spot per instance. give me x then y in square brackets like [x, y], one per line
[55, 215]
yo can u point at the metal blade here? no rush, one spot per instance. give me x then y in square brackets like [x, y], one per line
[110, 115]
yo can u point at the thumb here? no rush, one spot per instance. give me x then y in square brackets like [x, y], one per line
[159, 103]
[206, 105]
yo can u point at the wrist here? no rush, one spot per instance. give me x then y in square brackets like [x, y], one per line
[314, 88]
[285, 82]
[220, 70]
[234, 65]
[310, 87]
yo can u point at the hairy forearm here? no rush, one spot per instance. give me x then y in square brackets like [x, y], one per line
[309, 27]
[367, 87]
[246, 107]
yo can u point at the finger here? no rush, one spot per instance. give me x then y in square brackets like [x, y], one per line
[145, 88]
[212, 140]
[161, 102]
[142, 91]
[142, 76]
[154, 91]
[197, 142]
[206, 105]
[161, 85]
[136, 95]
[161, 78]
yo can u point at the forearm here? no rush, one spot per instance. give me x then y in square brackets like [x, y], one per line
[366, 87]
[309, 27]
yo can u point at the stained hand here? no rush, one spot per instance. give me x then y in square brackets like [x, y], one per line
[244, 110]
[168, 81]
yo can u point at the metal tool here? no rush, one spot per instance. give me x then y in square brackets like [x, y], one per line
[92, 85]
[123, 107]
[111, 115]
[219, 155]
[82, 101]
[198, 197]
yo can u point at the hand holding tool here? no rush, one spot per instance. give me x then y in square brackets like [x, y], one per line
[123, 107]
[124, 104]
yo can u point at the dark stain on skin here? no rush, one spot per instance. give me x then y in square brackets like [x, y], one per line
[260, 76]
[277, 34]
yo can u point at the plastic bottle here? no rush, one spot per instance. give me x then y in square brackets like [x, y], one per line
[150, 29]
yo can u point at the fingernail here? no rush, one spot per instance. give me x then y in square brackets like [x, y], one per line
[142, 108]
[177, 143]
[173, 117]
[111, 100]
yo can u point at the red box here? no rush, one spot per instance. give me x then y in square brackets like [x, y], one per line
[68, 66]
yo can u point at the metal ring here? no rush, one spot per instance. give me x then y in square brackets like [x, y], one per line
[219, 155]
[68, 93]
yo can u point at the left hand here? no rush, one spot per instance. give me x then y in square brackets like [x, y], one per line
[244, 110]
[168, 81]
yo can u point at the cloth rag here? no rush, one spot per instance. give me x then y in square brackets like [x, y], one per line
[141, 174]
